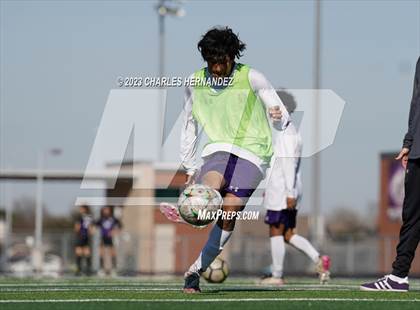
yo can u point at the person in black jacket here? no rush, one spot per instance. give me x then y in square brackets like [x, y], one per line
[410, 229]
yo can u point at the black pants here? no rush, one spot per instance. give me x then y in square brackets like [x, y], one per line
[410, 229]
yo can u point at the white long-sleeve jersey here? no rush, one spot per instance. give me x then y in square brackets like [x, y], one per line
[284, 178]
[189, 132]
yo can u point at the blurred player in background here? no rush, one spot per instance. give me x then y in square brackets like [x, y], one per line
[283, 192]
[109, 227]
[83, 227]
[234, 118]
[409, 155]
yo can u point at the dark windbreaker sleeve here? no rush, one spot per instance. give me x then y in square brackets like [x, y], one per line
[408, 139]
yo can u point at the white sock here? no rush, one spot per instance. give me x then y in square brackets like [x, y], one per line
[217, 239]
[398, 279]
[278, 251]
[305, 246]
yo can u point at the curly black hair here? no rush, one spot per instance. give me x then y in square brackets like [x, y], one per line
[218, 43]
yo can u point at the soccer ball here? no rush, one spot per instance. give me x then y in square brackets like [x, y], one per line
[196, 200]
[217, 272]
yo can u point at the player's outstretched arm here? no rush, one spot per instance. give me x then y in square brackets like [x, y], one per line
[189, 137]
[265, 91]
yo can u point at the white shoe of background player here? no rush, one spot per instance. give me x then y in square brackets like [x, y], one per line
[323, 269]
[272, 281]
[101, 273]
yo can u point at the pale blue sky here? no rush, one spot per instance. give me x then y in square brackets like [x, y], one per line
[59, 60]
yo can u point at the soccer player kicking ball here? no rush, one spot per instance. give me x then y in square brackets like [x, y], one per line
[283, 191]
[239, 148]
[397, 281]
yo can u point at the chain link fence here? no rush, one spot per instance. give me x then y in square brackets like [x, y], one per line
[246, 255]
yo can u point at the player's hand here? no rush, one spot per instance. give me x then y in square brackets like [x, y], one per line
[291, 203]
[190, 180]
[275, 113]
[403, 156]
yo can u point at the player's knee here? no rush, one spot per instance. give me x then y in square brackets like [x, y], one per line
[213, 179]
[227, 225]
[232, 203]
[231, 206]
[275, 231]
[288, 236]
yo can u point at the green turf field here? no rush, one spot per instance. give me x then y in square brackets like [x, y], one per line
[138, 293]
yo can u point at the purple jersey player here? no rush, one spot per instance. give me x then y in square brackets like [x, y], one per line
[109, 226]
[83, 230]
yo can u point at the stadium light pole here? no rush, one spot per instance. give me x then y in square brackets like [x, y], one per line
[38, 254]
[164, 8]
[8, 222]
[316, 159]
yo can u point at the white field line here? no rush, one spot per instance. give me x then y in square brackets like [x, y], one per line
[178, 288]
[88, 284]
[90, 289]
[213, 300]
[175, 284]
[140, 284]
